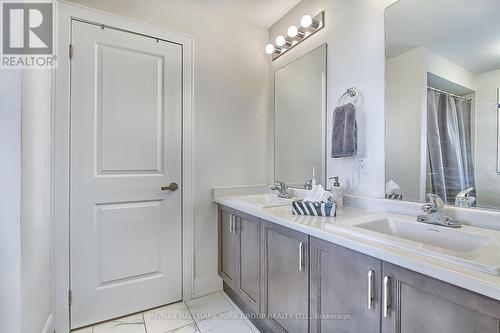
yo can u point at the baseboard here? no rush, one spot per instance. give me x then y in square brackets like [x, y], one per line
[207, 284]
[49, 325]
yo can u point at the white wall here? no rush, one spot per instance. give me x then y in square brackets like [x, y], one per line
[487, 178]
[25, 221]
[407, 113]
[354, 32]
[10, 201]
[36, 239]
[231, 96]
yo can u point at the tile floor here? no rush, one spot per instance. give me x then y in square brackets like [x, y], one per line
[207, 314]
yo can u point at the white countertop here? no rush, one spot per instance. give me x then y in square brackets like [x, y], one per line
[325, 228]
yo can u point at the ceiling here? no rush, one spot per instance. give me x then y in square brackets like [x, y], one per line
[260, 12]
[466, 32]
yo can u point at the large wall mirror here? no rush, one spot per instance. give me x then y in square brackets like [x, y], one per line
[442, 80]
[299, 119]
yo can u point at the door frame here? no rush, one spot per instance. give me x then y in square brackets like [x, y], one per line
[66, 12]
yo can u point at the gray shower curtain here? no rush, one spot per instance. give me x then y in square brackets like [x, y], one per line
[450, 166]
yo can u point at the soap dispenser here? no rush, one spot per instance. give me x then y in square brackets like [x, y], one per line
[337, 192]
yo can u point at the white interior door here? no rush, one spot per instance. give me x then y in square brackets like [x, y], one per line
[125, 145]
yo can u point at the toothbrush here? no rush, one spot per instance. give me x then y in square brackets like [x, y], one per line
[313, 180]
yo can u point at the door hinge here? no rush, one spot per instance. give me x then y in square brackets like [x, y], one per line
[70, 297]
[71, 51]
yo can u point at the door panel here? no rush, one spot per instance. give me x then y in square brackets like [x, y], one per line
[286, 285]
[134, 250]
[141, 74]
[227, 247]
[339, 286]
[420, 304]
[125, 145]
[249, 260]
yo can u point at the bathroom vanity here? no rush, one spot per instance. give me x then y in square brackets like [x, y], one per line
[309, 274]
[369, 269]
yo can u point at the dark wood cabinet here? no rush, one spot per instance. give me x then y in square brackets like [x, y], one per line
[285, 276]
[239, 256]
[419, 304]
[227, 246]
[345, 289]
[248, 260]
[298, 283]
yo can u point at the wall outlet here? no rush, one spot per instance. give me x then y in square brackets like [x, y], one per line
[363, 164]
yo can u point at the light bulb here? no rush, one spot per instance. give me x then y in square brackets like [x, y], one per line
[269, 48]
[306, 21]
[292, 31]
[280, 40]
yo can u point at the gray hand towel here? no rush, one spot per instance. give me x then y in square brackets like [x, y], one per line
[345, 131]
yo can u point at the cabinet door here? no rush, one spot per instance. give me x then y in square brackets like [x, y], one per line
[345, 289]
[248, 259]
[227, 246]
[285, 278]
[420, 304]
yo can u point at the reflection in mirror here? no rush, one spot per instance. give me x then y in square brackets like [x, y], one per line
[299, 125]
[442, 77]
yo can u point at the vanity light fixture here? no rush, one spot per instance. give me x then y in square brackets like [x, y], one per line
[280, 41]
[306, 21]
[294, 32]
[308, 26]
[270, 49]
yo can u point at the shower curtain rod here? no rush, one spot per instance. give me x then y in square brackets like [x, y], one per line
[448, 93]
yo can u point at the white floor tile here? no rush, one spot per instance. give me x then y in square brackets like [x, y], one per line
[228, 322]
[186, 329]
[213, 313]
[83, 330]
[167, 318]
[131, 324]
[208, 306]
[248, 321]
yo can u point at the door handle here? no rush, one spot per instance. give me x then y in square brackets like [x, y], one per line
[231, 221]
[386, 301]
[371, 274]
[170, 187]
[301, 256]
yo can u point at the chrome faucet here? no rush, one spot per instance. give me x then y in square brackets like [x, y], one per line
[434, 213]
[282, 189]
[464, 199]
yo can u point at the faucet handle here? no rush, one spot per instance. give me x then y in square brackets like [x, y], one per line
[279, 183]
[465, 193]
[464, 199]
[435, 200]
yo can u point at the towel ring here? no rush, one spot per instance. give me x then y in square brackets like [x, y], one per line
[351, 92]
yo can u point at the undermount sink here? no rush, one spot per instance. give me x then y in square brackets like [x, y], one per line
[265, 200]
[445, 238]
[470, 247]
